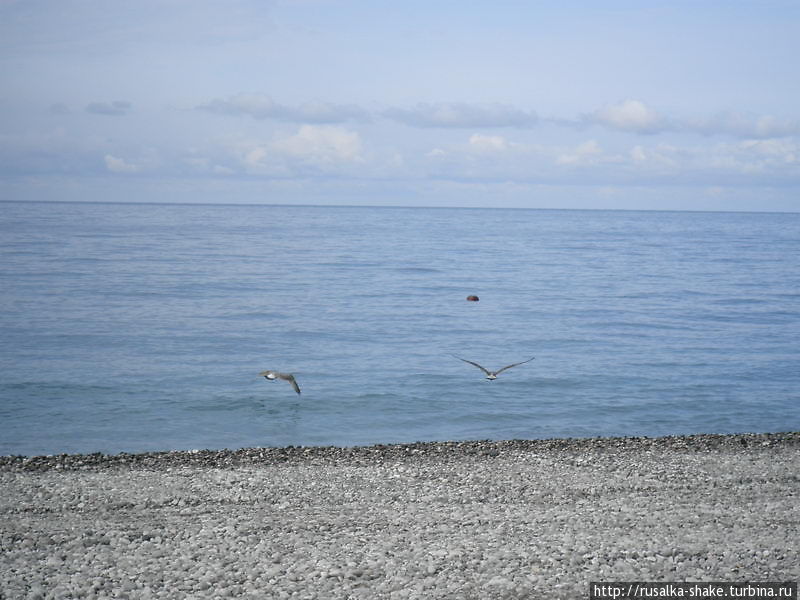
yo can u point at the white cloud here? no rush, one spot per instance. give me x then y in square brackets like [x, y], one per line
[776, 156]
[488, 143]
[660, 157]
[634, 116]
[586, 153]
[321, 145]
[783, 150]
[774, 160]
[630, 115]
[462, 115]
[254, 158]
[119, 165]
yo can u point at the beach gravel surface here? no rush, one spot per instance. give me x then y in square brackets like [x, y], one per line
[455, 520]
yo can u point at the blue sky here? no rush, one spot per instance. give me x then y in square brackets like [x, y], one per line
[689, 105]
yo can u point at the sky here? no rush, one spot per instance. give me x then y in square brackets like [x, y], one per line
[619, 104]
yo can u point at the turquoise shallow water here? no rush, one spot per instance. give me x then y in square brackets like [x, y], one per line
[132, 327]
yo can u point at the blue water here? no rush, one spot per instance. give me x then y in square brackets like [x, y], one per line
[128, 327]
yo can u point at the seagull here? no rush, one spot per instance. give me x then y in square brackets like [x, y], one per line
[273, 375]
[490, 375]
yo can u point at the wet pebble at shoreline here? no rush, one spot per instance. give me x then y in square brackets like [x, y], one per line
[516, 519]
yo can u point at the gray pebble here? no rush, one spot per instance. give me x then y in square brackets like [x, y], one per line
[514, 519]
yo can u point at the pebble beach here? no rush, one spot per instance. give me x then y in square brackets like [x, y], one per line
[456, 520]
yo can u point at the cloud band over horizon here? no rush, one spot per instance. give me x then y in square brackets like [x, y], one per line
[403, 106]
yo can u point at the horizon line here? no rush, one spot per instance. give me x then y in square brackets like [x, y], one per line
[395, 206]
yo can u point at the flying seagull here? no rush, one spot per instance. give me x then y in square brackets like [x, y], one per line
[493, 374]
[273, 375]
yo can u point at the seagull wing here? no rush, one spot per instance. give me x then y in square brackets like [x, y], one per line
[294, 384]
[474, 364]
[290, 378]
[514, 365]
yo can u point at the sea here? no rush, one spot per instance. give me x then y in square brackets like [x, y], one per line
[144, 327]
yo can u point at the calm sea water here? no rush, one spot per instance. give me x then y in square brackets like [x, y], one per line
[143, 327]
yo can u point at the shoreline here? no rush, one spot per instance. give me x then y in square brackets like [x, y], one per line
[511, 520]
[292, 454]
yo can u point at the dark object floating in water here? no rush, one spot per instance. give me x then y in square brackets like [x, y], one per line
[473, 298]
[273, 375]
[492, 374]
